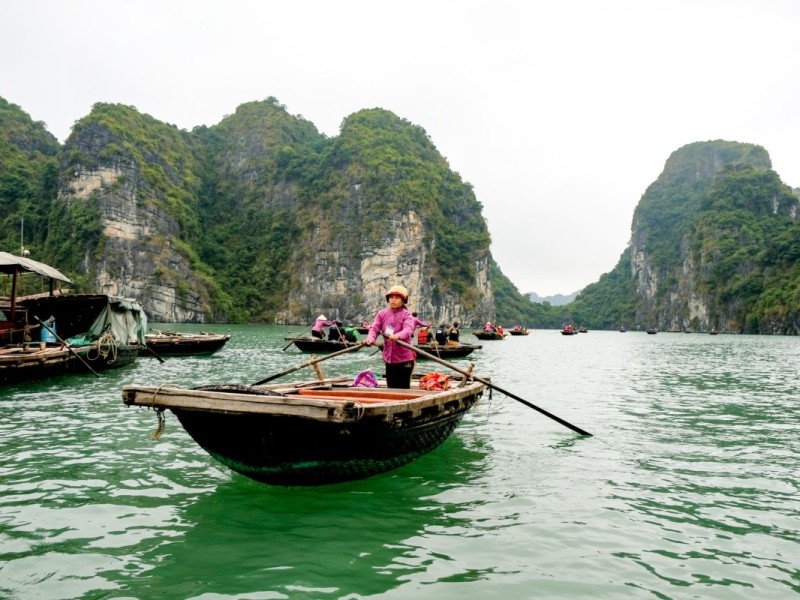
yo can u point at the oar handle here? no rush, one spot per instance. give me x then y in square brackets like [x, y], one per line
[68, 347]
[292, 342]
[493, 386]
[309, 363]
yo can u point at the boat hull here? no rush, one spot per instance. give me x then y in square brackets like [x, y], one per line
[313, 436]
[18, 365]
[290, 451]
[180, 344]
[447, 351]
[488, 335]
[318, 346]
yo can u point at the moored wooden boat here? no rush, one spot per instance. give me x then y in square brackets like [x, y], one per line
[319, 346]
[165, 343]
[314, 432]
[520, 331]
[446, 351]
[55, 333]
[20, 363]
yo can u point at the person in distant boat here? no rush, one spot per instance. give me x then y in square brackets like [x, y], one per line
[499, 329]
[336, 332]
[395, 322]
[316, 330]
[488, 327]
[422, 335]
[350, 334]
[441, 334]
[453, 334]
[419, 322]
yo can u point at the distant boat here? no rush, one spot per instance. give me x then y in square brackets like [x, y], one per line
[482, 334]
[165, 343]
[713, 331]
[568, 330]
[518, 331]
[652, 331]
[622, 329]
[582, 329]
[446, 351]
[318, 345]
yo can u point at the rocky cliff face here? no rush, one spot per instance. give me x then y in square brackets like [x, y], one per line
[262, 172]
[699, 238]
[138, 255]
[352, 288]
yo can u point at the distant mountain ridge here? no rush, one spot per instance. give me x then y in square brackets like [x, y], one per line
[555, 300]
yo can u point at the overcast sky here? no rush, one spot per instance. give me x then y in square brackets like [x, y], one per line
[560, 114]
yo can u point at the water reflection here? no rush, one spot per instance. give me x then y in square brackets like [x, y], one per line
[318, 540]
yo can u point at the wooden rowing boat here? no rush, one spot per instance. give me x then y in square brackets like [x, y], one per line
[313, 432]
[165, 343]
[94, 332]
[482, 334]
[446, 351]
[319, 346]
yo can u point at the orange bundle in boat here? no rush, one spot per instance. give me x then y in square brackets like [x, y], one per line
[434, 381]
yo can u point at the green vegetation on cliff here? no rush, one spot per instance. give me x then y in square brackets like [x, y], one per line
[28, 178]
[250, 201]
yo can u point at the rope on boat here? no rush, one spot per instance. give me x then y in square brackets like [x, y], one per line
[106, 346]
[162, 422]
[360, 409]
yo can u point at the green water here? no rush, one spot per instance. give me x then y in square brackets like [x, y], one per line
[688, 488]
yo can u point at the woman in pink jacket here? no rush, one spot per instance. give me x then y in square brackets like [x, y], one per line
[395, 322]
[321, 322]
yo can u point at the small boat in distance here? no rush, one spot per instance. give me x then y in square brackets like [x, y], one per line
[582, 329]
[165, 343]
[519, 331]
[652, 331]
[446, 351]
[319, 345]
[568, 330]
[312, 432]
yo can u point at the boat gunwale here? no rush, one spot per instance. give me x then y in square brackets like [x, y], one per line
[305, 405]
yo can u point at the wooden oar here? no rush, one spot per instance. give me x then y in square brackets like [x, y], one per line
[64, 343]
[153, 352]
[292, 342]
[491, 385]
[309, 363]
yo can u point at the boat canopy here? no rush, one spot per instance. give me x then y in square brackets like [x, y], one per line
[124, 317]
[11, 264]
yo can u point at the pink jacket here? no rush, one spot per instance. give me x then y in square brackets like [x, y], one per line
[420, 323]
[319, 324]
[401, 322]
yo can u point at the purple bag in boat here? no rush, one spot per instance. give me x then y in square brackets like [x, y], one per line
[365, 379]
